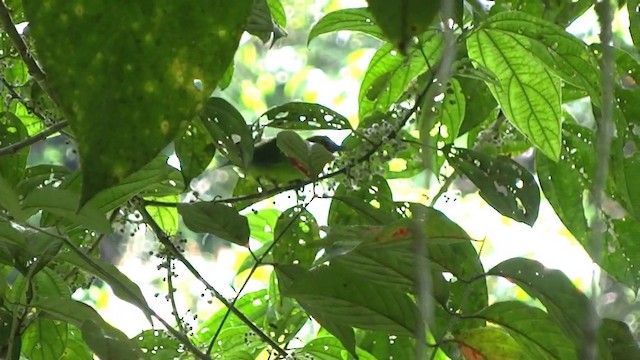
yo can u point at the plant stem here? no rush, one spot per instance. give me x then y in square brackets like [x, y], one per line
[13, 148]
[166, 241]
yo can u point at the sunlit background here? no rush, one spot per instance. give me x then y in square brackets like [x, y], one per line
[328, 71]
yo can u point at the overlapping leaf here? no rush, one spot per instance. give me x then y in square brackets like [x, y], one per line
[389, 73]
[528, 93]
[114, 97]
[506, 185]
[358, 19]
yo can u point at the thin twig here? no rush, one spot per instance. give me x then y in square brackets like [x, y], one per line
[604, 133]
[170, 247]
[255, 266]
[10, 28]
[172, 299]
[146, 309]
[13, 148]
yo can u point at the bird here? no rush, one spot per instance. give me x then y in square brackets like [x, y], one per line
[270, 164]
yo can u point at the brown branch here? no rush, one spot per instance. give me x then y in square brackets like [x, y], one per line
[10, 28]
[13, 148]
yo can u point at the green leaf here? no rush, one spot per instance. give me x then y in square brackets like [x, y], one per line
[76, 348]
[371, 204]
[121, 285]
[358, 19]
[350, 300]
[106, 347]
[65, 204]
[329, 348]
[305, 116]
[229, 131]
[217, 219]
[146, 179]
[295, 233]
[308, 158]
[76, 313]
[479, 104]
[9, 200]
[381, 346]
[277, 12]
[9, 236]
[108, 88]
[44, 339]
[160, 343]
[489, 343]
[397, 72]
[567, 306]
[401, 20]
[12, 131]
[195, 150]
[166, 217]
[254, 305]
[529, 95]
[531, 328]
[261, 23]
[504, 184]
[562, 53]
[619, 339]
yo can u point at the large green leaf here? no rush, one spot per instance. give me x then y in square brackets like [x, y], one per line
[121, 285]
[351, 300]
[506, 185]
[305, 116]
[45, 339]
[528, 93]
[403, 19]
[358, 19]
[490, 343]
[113, 82]
[214, 218]
[229, 131]
[532, 328]
[65, 204]
[389, 73]
[194, 147]
[295, 232]
[567, 306]
[563, 54]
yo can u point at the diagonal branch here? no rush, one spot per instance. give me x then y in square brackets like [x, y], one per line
[13, 148]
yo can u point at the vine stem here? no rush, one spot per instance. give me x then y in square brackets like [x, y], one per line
[255, 266]
[166, 241]
[604, 136]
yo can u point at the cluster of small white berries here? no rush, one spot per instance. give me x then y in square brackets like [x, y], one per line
[380, 143]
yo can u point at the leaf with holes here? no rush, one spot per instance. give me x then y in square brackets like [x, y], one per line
[123, 108]
[358, 19]
[304, 116]
[528, 93]
[294, 234]
[504, 184]
[195, 150]
[567, 306]
[217, 219]
[229, 131]
[397, 71]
